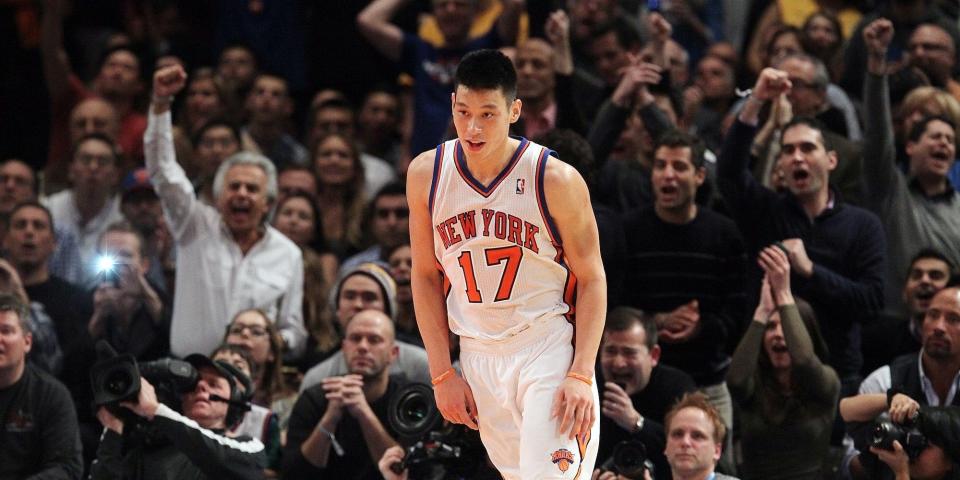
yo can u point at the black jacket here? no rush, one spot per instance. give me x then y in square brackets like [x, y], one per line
[188, 452]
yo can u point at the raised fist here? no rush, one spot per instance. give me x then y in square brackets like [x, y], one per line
[878, 35]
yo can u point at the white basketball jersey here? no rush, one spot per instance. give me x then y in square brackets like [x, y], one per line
[497, 246]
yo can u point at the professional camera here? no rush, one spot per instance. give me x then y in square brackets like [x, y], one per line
[912, 440]
[435, 449]
[629, 459]
[116, 378]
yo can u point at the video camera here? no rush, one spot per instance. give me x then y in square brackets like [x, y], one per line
[435, 449]
[116, 378]
[629, 459]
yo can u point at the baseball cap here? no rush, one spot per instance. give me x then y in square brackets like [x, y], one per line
[137, 181]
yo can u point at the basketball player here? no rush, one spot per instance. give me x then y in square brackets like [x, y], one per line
[513, 235]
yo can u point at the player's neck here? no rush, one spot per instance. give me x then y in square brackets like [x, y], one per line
[485, 166]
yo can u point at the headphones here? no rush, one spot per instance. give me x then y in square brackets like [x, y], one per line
[240, 395]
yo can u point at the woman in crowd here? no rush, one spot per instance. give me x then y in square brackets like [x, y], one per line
[823, 38]
[336, 162]
[252, 331]
[298, 218]
[786, 394]
[260, 422]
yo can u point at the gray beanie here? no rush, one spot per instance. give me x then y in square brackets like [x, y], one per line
[380, 275]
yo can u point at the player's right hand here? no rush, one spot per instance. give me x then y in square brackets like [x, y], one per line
[455, 401]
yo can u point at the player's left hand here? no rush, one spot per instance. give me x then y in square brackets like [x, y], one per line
[573, 405]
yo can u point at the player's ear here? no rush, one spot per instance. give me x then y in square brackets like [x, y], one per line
[515, 109]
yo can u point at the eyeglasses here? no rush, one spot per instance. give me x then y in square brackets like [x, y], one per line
[89, 160]
[255, 330]
[398, 212]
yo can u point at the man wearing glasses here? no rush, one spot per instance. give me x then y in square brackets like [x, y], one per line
[91, 204]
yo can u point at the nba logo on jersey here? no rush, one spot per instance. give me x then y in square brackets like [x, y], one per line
[563, 458]
[520, 184]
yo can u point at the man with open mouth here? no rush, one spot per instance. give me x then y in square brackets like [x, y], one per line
[920, 208]
[836, 250]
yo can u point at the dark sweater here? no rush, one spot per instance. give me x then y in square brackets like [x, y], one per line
[666, 386]
[356, 462]
[670, 265]
[845, 243]
[783, 436]
[38, 429]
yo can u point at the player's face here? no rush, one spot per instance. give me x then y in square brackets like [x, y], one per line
[197, 404]
[690, 445]
[927, 276]
[941, 326]
[675, 178]
[626, 360]
[482, 118]
[805, 162]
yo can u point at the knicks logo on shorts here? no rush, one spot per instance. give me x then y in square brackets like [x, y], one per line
[563, 458]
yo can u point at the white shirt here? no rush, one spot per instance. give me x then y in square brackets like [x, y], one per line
[215, 280]
[66, 218]
[879, 382]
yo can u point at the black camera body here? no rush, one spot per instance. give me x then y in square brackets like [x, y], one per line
[629, 459]
[434, 449]
[911, 438]
[116, 378]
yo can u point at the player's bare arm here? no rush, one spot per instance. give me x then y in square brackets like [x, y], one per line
[569, 203]
[453, 395]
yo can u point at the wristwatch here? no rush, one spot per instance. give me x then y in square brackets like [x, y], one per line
[639, 424]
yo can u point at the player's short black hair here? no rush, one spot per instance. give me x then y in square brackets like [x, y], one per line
[487, 70]
[675, 138]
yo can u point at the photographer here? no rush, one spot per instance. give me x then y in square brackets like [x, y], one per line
[908, 385]
[339, 427]
[637, 389]
[127, 309]
[191, 445]
[932, 450]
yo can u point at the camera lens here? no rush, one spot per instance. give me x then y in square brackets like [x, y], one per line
[117, 382]
[414, 410]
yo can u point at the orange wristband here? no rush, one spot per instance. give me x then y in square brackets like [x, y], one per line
[443, 376]
[582, 378]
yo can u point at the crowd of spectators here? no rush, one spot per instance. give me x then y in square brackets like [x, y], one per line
[242, 165]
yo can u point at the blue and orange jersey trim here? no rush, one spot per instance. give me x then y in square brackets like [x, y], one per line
[461, 162]
[542, 198]
[437, 161]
